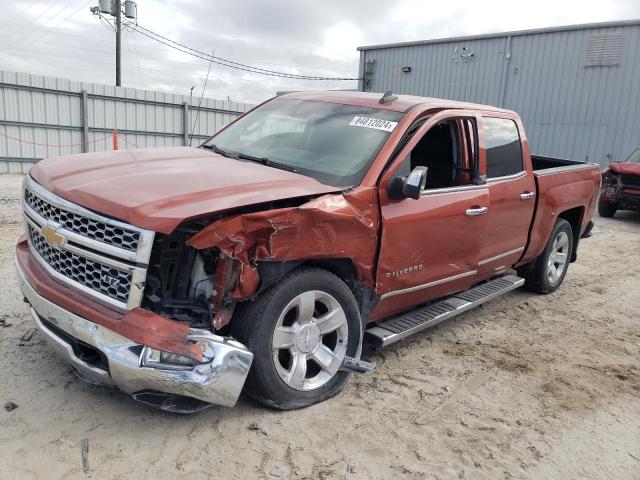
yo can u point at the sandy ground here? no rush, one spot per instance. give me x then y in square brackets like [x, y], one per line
[525, 387]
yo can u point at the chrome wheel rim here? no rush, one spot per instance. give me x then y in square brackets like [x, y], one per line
[310, 340]
[558, 258]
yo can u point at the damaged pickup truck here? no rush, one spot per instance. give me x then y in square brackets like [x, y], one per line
[261, 260]
[621, 186]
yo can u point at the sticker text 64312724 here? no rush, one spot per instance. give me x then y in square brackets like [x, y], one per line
[376, 123]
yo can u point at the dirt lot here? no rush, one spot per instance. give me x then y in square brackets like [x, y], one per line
[525, 387]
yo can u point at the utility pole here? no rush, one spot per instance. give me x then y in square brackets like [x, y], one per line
[115, 9]
[118, 42]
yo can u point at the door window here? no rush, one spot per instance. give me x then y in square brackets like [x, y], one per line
[444, 151]
[503, 147]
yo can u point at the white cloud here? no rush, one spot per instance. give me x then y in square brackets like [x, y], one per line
[339, 40]
[297, 36]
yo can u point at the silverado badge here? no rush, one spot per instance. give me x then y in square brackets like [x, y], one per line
[404, 271]
[52, 237]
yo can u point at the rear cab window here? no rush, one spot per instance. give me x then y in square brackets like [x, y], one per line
[503, 147]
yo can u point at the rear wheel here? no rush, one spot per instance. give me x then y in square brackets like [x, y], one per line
[551, 266]
[299, 330]
[606, 209]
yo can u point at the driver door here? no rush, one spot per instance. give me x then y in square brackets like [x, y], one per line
[430, 247]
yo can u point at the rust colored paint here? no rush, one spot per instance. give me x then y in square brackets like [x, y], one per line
[557, 194]
[427, 239]
[509, 216]
[628, 168]
[138, 325]
[158, 332]
[227, 273]
[159, 188]
[331, 226]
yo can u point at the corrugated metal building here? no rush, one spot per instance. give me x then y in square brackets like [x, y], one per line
[577, 88]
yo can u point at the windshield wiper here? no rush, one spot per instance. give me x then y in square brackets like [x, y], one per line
[267, 162]
[244, 156]
[220, 151]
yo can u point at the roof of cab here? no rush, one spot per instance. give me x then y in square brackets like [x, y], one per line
[371, 100]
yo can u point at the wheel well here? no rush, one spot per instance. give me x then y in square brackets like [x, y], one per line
[272, 272]
[343, 268]
[574, 217]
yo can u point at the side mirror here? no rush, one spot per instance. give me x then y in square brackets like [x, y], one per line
[410, 186]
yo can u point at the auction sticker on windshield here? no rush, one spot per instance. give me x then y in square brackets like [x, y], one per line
[376, 123]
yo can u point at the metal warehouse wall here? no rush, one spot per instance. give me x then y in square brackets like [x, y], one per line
[570, 109]
[43, 116]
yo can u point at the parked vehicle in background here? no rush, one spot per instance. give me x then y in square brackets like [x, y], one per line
[269, 254]
[621, 186]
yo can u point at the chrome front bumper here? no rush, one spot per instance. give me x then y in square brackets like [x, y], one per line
[217, 380]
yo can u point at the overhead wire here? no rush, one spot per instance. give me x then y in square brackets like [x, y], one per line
[64, 20]
[129, 57]
[106, 23]
[225, 62]
[137, 58]
[238, 64]
[27, 25]
[26, 9]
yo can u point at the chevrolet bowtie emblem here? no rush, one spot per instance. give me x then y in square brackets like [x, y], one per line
[52, 237]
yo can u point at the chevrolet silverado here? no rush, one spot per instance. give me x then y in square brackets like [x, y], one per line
[263, 259]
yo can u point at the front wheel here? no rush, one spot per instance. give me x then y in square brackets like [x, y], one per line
[606, 209]
[551, 266]
[300, 331]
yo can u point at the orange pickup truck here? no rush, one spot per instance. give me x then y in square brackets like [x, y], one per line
[263, 259]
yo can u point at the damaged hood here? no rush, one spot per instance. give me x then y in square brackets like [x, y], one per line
[628, 168]
[159, 188]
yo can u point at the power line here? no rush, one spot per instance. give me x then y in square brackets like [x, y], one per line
[74, 58]
[52, 28]
[29, 7]
[6, 33]
[238, 64]
[223, 61]
[26, 26]
[106, 24]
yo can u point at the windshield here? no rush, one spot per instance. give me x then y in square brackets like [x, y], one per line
[634, 157]
[333, 143]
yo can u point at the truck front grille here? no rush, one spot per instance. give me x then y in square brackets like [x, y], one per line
[94, 229]
[101, 278]
[100, 256]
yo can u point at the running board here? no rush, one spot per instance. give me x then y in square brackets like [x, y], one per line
[390, 331]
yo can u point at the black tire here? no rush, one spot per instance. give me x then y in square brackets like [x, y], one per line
[538, 279]
[254, 325]
[606, 209]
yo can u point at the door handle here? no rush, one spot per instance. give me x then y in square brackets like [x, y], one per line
[527, 195]
[474, 212]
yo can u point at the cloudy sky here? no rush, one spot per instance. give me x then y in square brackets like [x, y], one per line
[62, 38]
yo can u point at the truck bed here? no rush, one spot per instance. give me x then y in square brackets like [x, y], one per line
[539, 162]
[563, 187]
